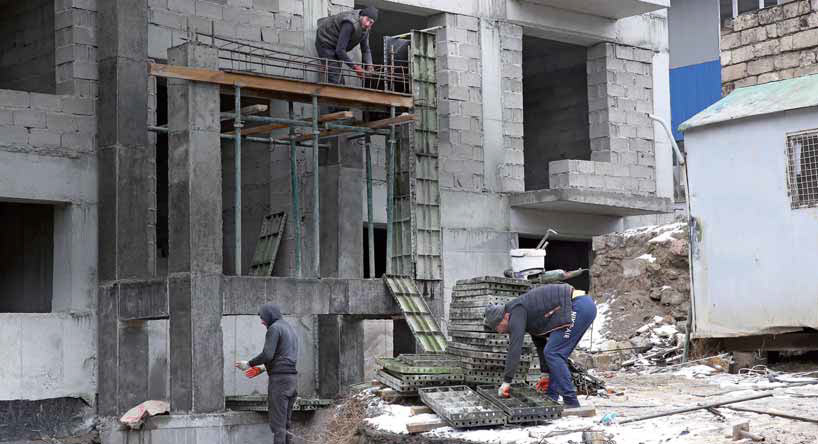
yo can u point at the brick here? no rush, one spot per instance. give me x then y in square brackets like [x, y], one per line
[467, 22]
[791, 9]
[730, 41]
[733, 72]
[769, 77]
[766, 48]
[745, 21]
[88, 71]
[78, 141]
[614, 183]
[29, 118]
[806, 71]
[788, 26]
[647, 186]
[747, 81]
[772, 30]
[624, 52]
[785, 43]
[770, 15]
[512, 43]
[43, 137]
[266, 5]
[753, 35]
[646, 159]
[12, 135]
[183, 6]
[805, 39]
[604, 156]
[292, 38]
[643, 55]
[6, 117]
[168, 18]
[78, 105]
[807, 58]
[760, 66]
[645, 132]
[61, 122]
[455, 92]
[474, 138]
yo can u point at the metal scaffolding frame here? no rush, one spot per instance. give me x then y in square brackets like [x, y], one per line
[259, 76]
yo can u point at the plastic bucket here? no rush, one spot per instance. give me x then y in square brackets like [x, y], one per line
[523, 259]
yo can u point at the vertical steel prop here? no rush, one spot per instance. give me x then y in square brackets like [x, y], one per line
[316, 215]
[390, 192]
[295, 193]
[369, 216]
[237, 166]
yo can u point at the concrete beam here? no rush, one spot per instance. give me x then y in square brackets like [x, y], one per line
[143, 300]
[591, 202]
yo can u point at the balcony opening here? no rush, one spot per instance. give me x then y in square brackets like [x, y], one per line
[27, 54]
[555, 107]
[565, 255]
[27, 261]
[380, 252]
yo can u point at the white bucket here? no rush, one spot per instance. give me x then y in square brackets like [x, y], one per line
[523, 259]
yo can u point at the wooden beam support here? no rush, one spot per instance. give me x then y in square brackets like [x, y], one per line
[403, 118]
[266, 128]
[306, 90]
[245, 111]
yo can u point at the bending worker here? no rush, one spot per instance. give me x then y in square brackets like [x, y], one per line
[556, 316]
[279, 358]
[340, 33]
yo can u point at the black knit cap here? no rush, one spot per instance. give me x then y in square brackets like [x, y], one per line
[371, 12]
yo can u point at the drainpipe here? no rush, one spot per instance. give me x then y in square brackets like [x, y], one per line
[690, 236]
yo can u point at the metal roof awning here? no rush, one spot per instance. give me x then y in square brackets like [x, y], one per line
[591, 202]
[615, 9]
[758, 100]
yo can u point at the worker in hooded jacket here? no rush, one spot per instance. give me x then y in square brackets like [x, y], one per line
[278, 357]
[556, 316]
[340, 33]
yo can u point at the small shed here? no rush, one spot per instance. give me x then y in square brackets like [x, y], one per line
[753, 188]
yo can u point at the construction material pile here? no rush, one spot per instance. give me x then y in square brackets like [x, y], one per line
[409, 372]
[483, 352]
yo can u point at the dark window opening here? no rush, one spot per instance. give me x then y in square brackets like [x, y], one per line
[380, 252]
[27, 261]
[565, 255]
[27, 49]
[555, 107]
[162, 233]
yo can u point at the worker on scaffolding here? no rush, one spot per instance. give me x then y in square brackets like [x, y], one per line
[556, 316]
[279, 357]
[340, 33]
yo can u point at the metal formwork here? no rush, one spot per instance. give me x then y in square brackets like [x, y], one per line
[410, 383]
[433, 359]
[264, 258]
[258, 403]
[462, 302]
[462, 407]
[395, 365]
[524, 405]
[417, 313]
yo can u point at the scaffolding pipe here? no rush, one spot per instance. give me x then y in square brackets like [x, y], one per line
[294, 188]
[277, 120]
[369, 216]
[359, 129]
[237, 125]
[390, 192]
[316, 215]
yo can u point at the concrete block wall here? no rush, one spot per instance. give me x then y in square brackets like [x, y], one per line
[76, 47]
[512, 170]
[775, 43]
[607, 176]
[27, 46]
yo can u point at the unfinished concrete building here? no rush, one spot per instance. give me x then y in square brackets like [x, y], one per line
[129, 224]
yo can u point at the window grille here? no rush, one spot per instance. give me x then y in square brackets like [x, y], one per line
[802, 168]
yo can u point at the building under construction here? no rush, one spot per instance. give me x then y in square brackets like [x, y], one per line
[166, 166]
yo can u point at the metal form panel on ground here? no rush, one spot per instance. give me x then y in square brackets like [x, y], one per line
[462, 407]
[417, 313]
[524, 405]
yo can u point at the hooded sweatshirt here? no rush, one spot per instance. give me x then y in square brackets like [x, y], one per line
[280, 344]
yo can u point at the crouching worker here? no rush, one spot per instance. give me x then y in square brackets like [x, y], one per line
[339, 34]
[278, 357]
[556, 316]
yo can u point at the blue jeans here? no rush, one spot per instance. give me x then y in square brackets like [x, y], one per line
[560, 345]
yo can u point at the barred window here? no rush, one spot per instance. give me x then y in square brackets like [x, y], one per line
[802, 177]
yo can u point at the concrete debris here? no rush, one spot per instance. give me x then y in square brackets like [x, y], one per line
[134, 417]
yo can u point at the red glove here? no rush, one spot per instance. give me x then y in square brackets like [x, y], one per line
[359, 71]
[505, 390]
[542, 384]
[252, 372]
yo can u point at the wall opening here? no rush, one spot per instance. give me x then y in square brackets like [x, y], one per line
[27, 259]
[162, 233]
[555, 107]
[380, 251]
[565, 255]
[27, 54]
[390, 23]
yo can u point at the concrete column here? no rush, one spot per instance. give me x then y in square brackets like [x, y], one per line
[195, 237]
[126, 198]
[340, 353]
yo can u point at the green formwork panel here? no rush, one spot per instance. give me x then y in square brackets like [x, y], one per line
[420, 319]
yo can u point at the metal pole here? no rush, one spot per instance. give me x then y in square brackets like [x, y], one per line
[316, 215]
[237, 125]
[390, 192]
[294, 188]
[369, 216]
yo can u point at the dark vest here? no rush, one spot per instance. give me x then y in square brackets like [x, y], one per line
[329, 28]
[541, 300]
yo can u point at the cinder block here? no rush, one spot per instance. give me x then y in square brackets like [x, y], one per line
[614, 184]
[291, 38]
[645, 132]
[559, 166]
[745, 21]
[584, 166]
[624, 52]
[170, 19]
[468, 22]
[596, 182]
[43, 138]
[63, 122]
[640, 171]
[78, 141]
[209, 9]
[29, 118]
[804, 39]
[647, 186]
[13, 135]
[14, 99]
[183, 6]
[78, 105]
[46, 102]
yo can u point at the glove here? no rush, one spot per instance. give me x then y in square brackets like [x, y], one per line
[253, 372]
[504, 391]
[542, 384]
[242, 365]
[359, 71]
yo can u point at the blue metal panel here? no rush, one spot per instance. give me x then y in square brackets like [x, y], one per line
[692, 89]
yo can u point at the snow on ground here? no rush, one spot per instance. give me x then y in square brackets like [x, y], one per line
[677, 227]
[648, 257]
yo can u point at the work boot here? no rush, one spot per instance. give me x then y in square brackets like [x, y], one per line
[570, 402]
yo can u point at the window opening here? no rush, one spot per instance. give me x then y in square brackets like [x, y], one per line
[802, 168]
[27, 262]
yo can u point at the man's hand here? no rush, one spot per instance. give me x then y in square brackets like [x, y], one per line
[242, 365]
[253, 372]
[542, 384]
[504, 391]
[359, 71]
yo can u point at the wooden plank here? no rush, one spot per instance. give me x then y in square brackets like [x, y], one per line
[772, 413]
[425, 426]
[585, 411]
[266, 128]
[287, 86]
[403, 118]
[419, 410]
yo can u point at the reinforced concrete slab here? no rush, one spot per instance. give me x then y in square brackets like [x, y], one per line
[591, 202]
[615, 9]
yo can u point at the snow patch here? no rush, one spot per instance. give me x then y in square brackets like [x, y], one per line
[647, 257]
[695, 371]
[598, 331]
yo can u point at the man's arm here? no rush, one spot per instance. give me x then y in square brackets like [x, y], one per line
[366, 53]
[343, 41]
[269, 351]
[516, 331]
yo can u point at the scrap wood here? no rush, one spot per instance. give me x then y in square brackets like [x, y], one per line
[718, 362]
[696, 407]
[585, 411]
[399, 120]
[425, 425]
[267, 127]
[419, 410]
[742, 431]
[772, 413]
